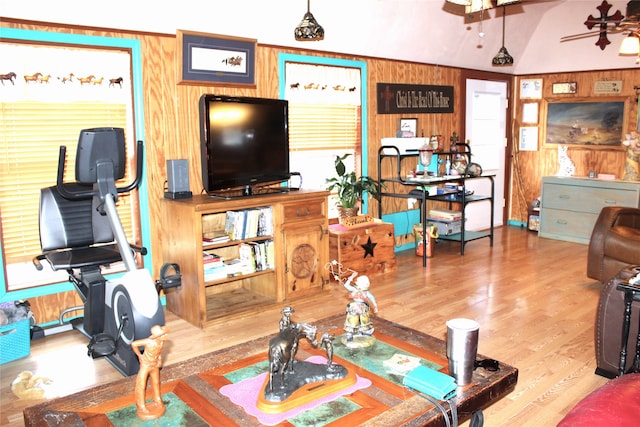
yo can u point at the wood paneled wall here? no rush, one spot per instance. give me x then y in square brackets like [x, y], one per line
[530, 166]
[171, 123]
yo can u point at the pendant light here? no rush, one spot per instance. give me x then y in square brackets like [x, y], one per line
[308, 29]
[630, 44]
[503, 58]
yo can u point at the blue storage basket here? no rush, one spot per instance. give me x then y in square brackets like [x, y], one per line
[15, 341]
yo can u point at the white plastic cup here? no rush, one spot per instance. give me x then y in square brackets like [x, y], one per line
[462, 348]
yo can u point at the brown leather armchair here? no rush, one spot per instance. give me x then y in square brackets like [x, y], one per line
[615, 242]
[614, 254]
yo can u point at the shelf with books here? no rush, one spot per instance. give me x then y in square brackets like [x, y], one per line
[247, 258]
[230, 277]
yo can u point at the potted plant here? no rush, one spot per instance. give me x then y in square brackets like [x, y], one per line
[350, 188]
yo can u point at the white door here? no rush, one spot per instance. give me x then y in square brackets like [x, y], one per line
[485, 130]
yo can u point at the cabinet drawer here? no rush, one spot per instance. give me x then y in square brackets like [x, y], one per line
[304, 210]
[585, 199]
[567, 225]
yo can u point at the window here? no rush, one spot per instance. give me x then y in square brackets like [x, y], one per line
[326, 115]
[56, 91]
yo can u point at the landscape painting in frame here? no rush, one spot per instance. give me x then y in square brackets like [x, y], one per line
[586, 123]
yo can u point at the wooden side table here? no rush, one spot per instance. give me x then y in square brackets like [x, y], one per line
[631, 292]
[368, 249]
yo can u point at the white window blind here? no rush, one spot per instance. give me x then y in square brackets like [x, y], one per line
[325, 117]
[39, 112]
[32, 133]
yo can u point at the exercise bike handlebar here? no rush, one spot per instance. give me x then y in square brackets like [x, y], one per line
[90, 193]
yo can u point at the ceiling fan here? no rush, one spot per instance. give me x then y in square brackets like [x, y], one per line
[607, 24]
[472, 6]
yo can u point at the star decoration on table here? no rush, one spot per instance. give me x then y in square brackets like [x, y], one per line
[368, 248]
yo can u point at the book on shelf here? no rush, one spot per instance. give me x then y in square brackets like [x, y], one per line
[216, 273]
[215, 237]
[211, 260]
[445, 214]
[249, 223]
[258, 255]
[236, 267]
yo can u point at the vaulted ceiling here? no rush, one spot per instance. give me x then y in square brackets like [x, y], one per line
[427, 31]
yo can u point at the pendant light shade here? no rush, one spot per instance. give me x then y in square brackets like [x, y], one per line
[308, 29]
[630, 45]
[503, 58]
[477, 6]
[472, 6]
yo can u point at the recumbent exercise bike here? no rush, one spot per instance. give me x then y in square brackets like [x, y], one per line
[78, 225]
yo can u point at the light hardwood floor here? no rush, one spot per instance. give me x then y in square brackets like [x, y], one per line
[535, 305]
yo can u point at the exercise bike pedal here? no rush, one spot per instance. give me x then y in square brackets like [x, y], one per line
[101, 345]
[168, 278]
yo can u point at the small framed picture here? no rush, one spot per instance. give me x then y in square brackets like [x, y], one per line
[561, 88]
[531, 89]
[529, 138]
[530, 112]
[408, 128]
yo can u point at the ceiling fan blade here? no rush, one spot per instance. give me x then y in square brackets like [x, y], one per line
[595, 32]
[579, 36]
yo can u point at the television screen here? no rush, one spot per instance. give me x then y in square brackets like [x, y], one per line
[244, 142]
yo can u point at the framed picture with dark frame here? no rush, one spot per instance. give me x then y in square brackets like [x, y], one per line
[585, 123]
[408, 128]
[214, 59]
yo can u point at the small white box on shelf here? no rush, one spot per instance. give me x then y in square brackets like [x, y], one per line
[405, 145]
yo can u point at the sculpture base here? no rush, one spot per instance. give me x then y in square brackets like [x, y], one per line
[308, 383]
[358, 341]
[153, 411]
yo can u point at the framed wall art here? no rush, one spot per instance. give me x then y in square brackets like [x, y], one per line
[564, 88]
[528, 138]
[214, 59]
[587, 123]
[531, 89]
[408, 128]
[530, 112]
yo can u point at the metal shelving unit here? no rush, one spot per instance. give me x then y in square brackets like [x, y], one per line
[459, 197]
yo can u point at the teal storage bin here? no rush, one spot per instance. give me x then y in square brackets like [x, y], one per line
[15, 341]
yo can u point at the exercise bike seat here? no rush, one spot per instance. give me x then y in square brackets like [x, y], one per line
[73, 234]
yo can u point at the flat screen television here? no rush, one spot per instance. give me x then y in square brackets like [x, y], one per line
[244, 142]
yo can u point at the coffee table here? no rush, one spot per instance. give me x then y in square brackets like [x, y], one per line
[194, 386]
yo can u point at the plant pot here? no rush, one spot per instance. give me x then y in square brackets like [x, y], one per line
[347, 212]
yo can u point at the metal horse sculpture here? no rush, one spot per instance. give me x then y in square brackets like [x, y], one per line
[283, 349]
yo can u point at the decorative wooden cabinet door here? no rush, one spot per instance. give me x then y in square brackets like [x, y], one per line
[306, 253]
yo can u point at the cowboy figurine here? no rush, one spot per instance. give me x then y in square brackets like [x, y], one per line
[285, 322]
[150, 363]
[358, 321]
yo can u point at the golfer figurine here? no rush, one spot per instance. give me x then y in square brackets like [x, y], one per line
[150, 363]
